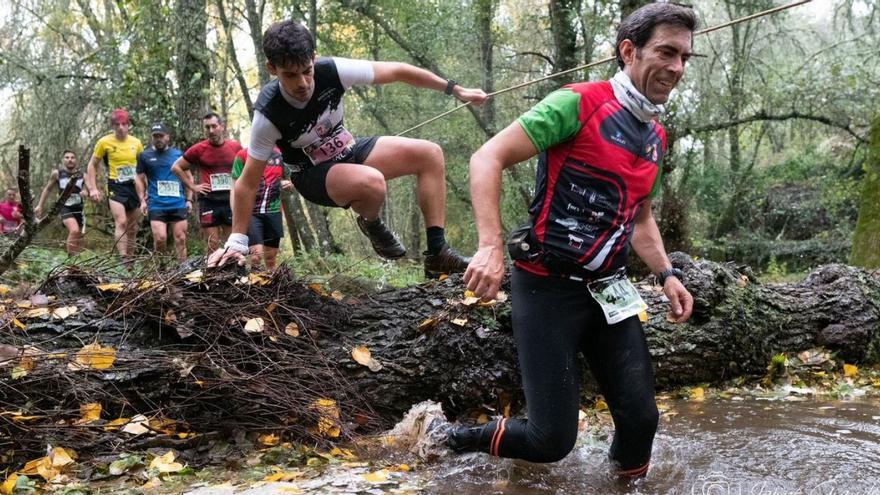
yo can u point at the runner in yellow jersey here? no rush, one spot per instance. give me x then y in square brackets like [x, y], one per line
[118, 150]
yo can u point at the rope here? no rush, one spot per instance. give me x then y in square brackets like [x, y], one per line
[606, 60]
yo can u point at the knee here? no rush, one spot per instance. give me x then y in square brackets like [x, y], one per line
[371, 184]
[554, 445]
[433, 154]
[180, 236]
[642, 423]
[159, 238]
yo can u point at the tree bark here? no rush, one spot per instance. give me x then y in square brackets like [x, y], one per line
[193, 75]
[866, 238]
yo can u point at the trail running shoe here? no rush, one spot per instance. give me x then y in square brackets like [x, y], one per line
[446, 261]
[384, 242]
[462, 439]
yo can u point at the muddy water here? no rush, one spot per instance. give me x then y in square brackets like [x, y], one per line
[717, 447]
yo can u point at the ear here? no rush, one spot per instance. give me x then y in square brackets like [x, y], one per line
[271, 68]
[627, 51]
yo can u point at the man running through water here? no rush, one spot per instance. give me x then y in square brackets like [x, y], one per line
[213, 157]
[118, 150]
[71, 213]
[301, 112]
[161, 194]
[600, 154]
[266, 229]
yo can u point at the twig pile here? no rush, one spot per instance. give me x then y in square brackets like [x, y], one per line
[194, 350]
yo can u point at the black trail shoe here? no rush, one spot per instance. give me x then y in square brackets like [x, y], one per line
[462, 439]
[446, 261]
[384, 242]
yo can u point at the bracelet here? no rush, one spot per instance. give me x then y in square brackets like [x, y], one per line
[450, 83]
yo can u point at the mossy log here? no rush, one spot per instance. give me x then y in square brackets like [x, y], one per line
[182, 351]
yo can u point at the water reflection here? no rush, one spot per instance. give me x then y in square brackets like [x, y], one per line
[716, 447]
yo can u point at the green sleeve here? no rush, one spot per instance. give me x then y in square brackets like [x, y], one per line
[655, 188]
[554, 120]
[237, 167]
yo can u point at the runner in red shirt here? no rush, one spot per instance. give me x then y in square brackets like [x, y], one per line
[213, 157]
[10, 213]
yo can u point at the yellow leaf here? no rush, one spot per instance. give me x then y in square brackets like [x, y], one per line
[4, 289]
[361, 354]
[292, 329]
[19, 324]
[442, 277]
[25, 366]
[254, 325]
[482, 419]
[427, 323]
[470, 301]
[468, 294]
[23, 304]
[163, 425]
[8, 485]
[36, 313]
[115, 424]
[379, 476]
[328, 417]
[25, 418]
[697, 394]
[271, 307]
[643, 316]
[116, 287]
[402, 467]
[337, 295]
[460, 322]
[268, 439]
[600, 405]
[316, 288]
[61, 457]
[850, 370]
[148, 284]
[257, 279]
[195, 276]
[344, 453]
[273, 338]
[89, 412]
[280, 475]
[165, 463]
[63, 312]
[94, 356]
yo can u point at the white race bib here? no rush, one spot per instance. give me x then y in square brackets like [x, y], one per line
[125, 173]
[221, 182]
[330, 146]
[618, 298]
[168, 188]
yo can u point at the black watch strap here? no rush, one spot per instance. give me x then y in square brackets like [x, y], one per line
[450, 83]
[669, 272]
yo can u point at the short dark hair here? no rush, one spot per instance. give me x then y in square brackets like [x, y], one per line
[67, 150]
[288, 42]
[212, 115]
[638, 27]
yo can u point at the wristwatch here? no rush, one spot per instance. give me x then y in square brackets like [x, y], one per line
[670, 272]
[450, 83]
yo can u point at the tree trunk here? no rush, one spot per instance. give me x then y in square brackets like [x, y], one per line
[866, 238]
[193, 75]
[181, 350]
[562, 23]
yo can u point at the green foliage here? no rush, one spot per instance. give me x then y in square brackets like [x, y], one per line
[351, 274]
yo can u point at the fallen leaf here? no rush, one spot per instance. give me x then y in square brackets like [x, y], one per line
[115, 424]
[50, 466]
[470, 301]
[93, 356]
[850, 370]
[292, 329]
[257, 279]
[379, 476]
[316, 288]
[23, 304]
[25, 366]
[328, 417]
[170, 318]
[63, 312]
[9, 485]
[337, 295]
[269, 439]
[36, 313]
[195, 276]
[460, 322]
[600, 405]
[4, 289]
[114, 287]
[427, 323]
[697, 394]
[25, 418]
[442, 277]
[643, 316]
[89, 412]
[165, 463]
[19, 324]
[281, 475]
[254, 325]
[362, 356]
[137, 425]
[124, 463]
[271, 307]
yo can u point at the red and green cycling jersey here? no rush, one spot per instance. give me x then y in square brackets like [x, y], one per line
[269, 192]
[597, 165]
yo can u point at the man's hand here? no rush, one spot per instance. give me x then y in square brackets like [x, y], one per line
[143, 207]
[235, 249]
[201, 189]
[468, 95]
[38, 211]
[681, 303]
[189, 206]
[287, 185]
[485, 271]
[95, 195]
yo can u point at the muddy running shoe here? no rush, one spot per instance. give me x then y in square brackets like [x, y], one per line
[446, 261]
[384, 242]
[462, 439]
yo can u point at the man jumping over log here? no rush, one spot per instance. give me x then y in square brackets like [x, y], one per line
[301, 112]
[599, 166]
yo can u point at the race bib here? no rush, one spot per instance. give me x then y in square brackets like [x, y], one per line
[330, 146]
[125, 173]
[168, 188]
[221, 182]
[618, 298]
[73, 200]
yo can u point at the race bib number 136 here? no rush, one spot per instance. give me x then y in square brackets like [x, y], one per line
[330, 146]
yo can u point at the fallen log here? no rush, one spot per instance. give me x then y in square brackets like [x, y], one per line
[226, 350]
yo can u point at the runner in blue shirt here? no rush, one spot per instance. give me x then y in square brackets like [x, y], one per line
[161, 193]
